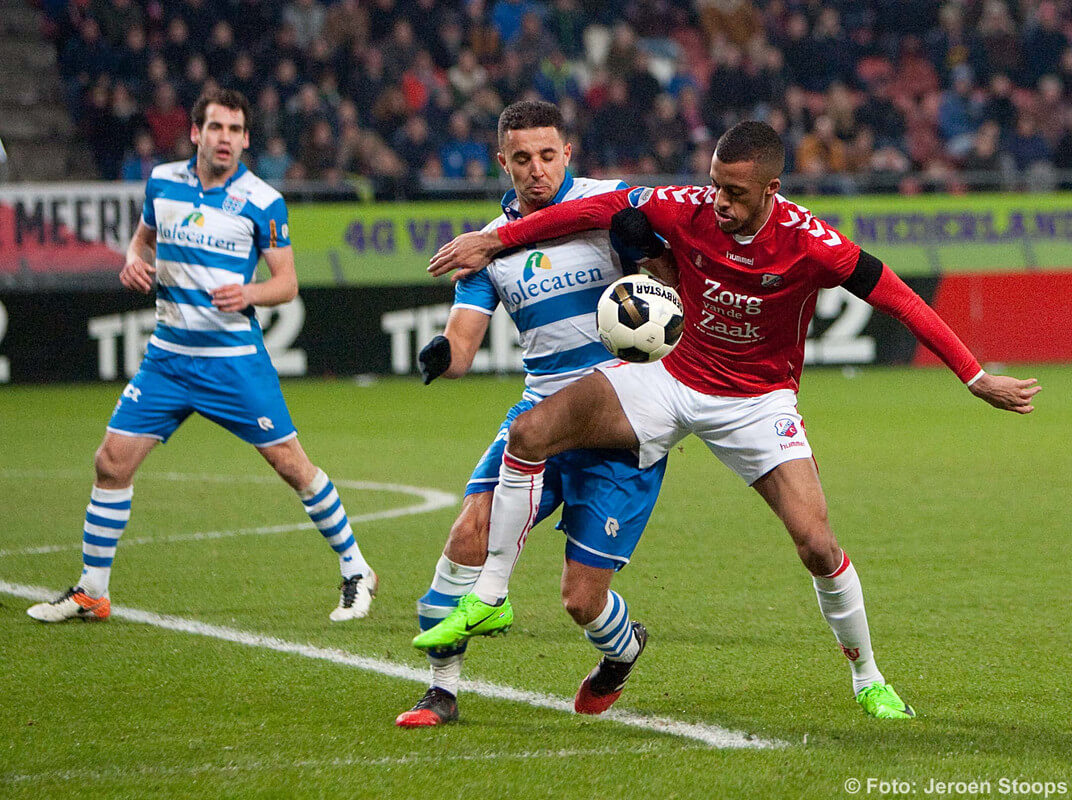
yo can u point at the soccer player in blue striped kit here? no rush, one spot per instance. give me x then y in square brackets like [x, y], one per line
[550, 292]
[205, 225]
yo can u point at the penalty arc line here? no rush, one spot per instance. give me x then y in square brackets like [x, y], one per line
[431, 500]
[712, 735]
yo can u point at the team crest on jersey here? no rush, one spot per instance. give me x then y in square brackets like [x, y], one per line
[771, 281]
[785, 427]
[233, 204]
[535, 261]
[639, 196]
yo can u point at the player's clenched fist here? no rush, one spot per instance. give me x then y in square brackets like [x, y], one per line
[137, 274]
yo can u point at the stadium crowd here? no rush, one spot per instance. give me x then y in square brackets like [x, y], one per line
[403, 90]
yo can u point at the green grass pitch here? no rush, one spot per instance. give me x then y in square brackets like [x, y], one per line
[955, 514]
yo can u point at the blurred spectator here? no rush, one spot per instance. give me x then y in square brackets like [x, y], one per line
[193, 80]
[346, 24]
[268, 118]
[274, 161]
[737, 20]
[997, 42]
[421, 79]
[1027, 146]
[484, 37]
[506, 16]
[177, 47]
[244, 76]
[86, 57]
[461, 148]
[555, 80]
[532, 42]
[139, 162]
[466, 76]
[643, 86]
[613, 134]
[199, 16]
[167, 120]
[513, 78]
[301, 113]
[959, 114]
[318, 153]
[132, 58]
[221, 52]
[821, 152]
[306, 17]
[999, 107]
[983, 156]
[566, 23]
[414, 145]
[1044, 42]
[115, 18]
[400, 51]
[368, 82]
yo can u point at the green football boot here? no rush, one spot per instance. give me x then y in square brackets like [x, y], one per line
[472, 617]
[879, 700]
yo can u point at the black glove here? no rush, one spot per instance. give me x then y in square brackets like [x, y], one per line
[632, 229]
[434, 358]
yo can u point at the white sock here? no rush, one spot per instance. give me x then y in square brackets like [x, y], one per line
[450, 582]
[106, 518]
[324, 507]
[611, 633]
[513, 513]
[841, 600]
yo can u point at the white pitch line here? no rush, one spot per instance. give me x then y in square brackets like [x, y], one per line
[431, 500]
[712, 735]
[232, 767]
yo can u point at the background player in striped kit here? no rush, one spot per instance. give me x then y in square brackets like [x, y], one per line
[551, 295]
[205, 224]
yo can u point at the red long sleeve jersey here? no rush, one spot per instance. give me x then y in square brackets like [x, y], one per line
[748, 300]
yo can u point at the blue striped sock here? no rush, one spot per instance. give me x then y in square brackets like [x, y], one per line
[611, 633]
[324, 507]
[451, 582]
[106, 517]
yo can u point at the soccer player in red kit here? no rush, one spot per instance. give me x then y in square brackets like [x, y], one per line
[750, 264]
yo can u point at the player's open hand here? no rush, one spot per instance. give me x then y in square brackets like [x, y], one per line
[137, 275]
[1006, 393]
[232, 297]
[465, 255]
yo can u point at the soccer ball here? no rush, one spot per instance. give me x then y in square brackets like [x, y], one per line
[640, 319]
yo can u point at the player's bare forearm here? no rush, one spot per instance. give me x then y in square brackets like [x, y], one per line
[138, 270]
[1006, 393]
[466, 254]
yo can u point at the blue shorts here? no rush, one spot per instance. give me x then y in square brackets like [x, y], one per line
[241, 393]
[606, 498]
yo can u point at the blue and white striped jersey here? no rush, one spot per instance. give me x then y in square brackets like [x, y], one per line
[550, 290]
[207, 238]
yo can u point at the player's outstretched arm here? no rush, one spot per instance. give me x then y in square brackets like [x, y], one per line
[281, 287]
[451, 355]
[1006, 393]
[877, 284]
[138, 271]
[467, 254]
[471, 252]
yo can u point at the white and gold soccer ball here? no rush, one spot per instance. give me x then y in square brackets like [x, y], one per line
[639, 318]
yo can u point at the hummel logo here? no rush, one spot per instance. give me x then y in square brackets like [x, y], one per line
[471, 625]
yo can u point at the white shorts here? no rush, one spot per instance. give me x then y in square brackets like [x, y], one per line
[750, 435]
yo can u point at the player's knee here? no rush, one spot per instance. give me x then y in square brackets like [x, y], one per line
[110, 468]
[818, 548]
[581, 603]
[527, 437]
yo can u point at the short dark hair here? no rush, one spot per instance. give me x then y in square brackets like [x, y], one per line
[752, 141]
[228, 98]
[530, 114]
